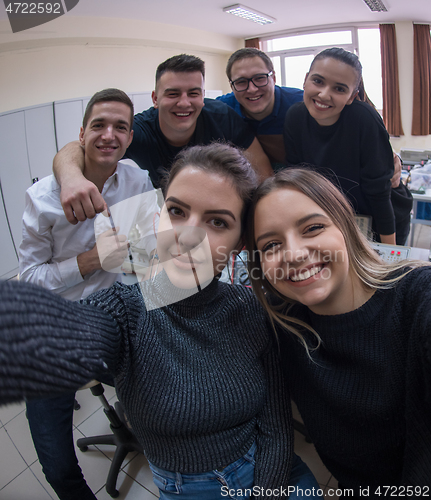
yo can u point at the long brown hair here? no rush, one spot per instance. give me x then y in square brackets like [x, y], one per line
[222, 159]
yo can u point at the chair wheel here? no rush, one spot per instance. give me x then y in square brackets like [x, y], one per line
[83, 448]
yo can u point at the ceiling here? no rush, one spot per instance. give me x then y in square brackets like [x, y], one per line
[290, 14]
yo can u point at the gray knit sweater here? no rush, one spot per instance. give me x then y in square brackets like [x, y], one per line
[199, 379]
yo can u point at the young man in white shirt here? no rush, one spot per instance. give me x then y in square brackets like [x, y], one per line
[66, 259]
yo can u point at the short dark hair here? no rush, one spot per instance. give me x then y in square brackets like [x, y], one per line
[222, 159]
[182, 63]
[344, 56]
[107, 95]
[246, 53]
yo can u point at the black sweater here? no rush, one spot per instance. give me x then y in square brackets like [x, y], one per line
[200, 379]
[356, 148]
[366, 396]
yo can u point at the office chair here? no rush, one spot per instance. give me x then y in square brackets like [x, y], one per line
[122, 437]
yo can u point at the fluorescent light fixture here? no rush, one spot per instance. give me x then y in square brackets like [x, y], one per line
[247, 13]
[376, 5]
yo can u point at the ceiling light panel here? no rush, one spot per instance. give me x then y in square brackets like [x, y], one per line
[250, 14]
[376, 5]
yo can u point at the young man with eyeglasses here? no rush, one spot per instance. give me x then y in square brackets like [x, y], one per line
[180, 117]
[260, 102]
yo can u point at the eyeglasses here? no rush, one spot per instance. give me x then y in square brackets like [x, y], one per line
[259, 80]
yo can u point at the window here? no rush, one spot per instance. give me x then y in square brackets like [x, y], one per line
[293, 54]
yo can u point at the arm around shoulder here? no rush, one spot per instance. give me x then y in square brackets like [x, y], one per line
[79, 197]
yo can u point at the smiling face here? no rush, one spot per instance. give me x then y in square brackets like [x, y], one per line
[303, 254]
[329, 86]
[257, 102]
[179, 97]
[106, 136]
[200, 225]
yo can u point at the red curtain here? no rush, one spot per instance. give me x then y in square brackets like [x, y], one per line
[252, 42]
[390, 81]
[421, 124]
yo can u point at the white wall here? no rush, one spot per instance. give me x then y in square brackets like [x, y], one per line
[73, 57]
[404, 33]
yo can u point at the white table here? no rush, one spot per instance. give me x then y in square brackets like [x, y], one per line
[419, 197]
[419, 254]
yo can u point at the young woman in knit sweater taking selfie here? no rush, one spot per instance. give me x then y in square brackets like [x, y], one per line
[195, 362]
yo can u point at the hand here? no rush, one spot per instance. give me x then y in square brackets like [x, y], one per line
[112, 249]
[81, 200]
[395, 181]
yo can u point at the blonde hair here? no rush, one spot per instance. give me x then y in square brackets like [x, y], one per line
[371, 270]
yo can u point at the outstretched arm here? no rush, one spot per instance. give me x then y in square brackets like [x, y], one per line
[79, 197]
[50, 345]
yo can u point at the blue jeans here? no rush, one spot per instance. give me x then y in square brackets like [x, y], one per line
[50, 421]
[235, 481]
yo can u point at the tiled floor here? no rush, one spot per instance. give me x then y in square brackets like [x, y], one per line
[21, 477]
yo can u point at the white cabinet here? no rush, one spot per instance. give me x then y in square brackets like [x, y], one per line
[27, 145]
[40, 135]
[68, 121]
[15, 176]
[141, 101]
[9, 259]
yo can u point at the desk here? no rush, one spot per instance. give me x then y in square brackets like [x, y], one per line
[419, 254]
[419, 197]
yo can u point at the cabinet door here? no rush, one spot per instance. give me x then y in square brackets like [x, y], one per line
[15, 174]
[68, 121]
[9, 259]
[141, 102]
[39, 126]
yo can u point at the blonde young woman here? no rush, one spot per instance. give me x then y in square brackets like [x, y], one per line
[354, 333]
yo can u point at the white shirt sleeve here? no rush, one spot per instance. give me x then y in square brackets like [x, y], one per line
[36, 252]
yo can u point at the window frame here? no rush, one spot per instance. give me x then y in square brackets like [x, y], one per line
[313, 49]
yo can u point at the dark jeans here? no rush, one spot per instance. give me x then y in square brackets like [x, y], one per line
[50, 421]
